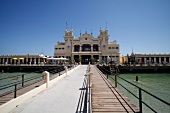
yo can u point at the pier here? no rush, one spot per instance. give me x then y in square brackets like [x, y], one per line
[106, 98]
[63, 95]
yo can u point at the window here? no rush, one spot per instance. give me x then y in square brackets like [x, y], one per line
[117, 47]
[59, 48]
[85, 38]
[62, 48]
[109, 47]
[113, 47]
[56, 48]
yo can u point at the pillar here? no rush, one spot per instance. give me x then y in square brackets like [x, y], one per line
[91, 48]
[80, 49]
[18, 61]
[154, 59]
[98, 47]
[80, 59]
[38, 60]
[145, 60]
[15, 61]
[10, 60]
[6, 61]
[159, 60]
[3, 60]
[30, 61]
[164, 59]
[150, 60]
[72, 48]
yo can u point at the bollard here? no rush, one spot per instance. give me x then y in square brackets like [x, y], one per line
[65, 67]
[46, 74]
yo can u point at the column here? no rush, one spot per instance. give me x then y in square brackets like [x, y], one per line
[30, 61]
[154, 59]
[145, 60]
[10, 60]
[150, 60]
[72, 58]
[18, 61]
[3, 60]
[72, 48]
[26, 61]
[15, 61]
[6, 61]
[38, 60]
[92, 59]
[80, 49]
[159, 60]
[91, 48]
[100, 59]
[164, 59]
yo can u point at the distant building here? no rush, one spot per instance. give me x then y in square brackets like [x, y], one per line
[86, 48]
[22, 59]
[146, 59]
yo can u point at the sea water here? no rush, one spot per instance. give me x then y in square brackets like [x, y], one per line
[4, 82]
[156, 84]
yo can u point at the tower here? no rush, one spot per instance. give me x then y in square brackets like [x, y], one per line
[104, 37]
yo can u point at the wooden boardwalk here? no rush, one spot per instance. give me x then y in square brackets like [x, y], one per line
[10, 96]
[105, 97]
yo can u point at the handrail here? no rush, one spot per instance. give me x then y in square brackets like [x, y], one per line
[84, 103]
[140, 91]
[29, 80]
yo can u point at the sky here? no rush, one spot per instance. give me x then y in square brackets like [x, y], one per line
[35, 26]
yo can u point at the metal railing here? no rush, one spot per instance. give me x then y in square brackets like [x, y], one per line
[140, 91]
[84, 103]
[21, 81]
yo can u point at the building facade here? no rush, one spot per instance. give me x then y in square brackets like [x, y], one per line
[86, 48]
[22, 59]
[146, 59]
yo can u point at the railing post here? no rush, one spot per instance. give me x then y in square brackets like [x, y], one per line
[140, 100]
[46, 74]
[15, 91]
[107, 76]
[22, 80]
[115, 80]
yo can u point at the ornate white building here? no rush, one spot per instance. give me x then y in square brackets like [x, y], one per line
[86, 48]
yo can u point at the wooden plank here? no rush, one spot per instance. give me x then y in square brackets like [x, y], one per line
[105, 97]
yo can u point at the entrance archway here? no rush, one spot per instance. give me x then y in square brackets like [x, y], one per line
[86, 59]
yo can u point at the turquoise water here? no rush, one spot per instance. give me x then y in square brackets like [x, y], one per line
[12, 80]
[157, 84]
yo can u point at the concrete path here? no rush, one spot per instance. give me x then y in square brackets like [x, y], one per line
[62, 98]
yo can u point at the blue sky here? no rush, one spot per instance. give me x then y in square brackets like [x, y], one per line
[33, 26]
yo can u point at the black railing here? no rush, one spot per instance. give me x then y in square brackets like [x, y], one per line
[21, 81]
[140, 90]
[84, 103]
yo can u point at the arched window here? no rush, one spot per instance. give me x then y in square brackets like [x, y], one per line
[76, 48]
[95, 47]
[86, 47]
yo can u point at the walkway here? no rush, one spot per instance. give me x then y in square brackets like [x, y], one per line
[105, 97]
[62, 98]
